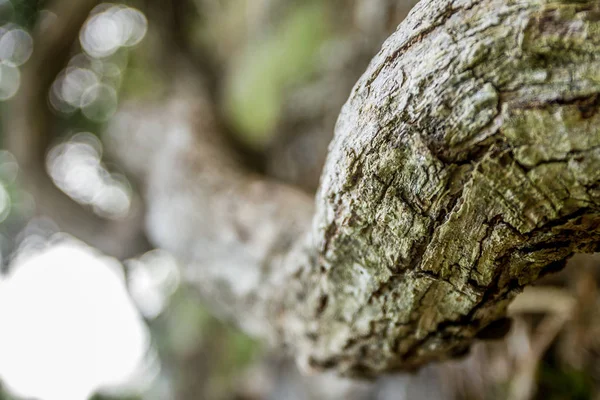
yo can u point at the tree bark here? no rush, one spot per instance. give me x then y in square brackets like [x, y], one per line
[465, 165]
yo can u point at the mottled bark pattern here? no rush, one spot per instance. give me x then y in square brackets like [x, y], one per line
[465, 165]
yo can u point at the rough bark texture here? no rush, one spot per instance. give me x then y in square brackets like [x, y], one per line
[465, 165]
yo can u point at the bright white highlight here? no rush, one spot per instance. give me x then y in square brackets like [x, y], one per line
[4, 203]
[76, 168]
[99, 102]
[16, 46]
[75, 83]
[114, 27]
[153, 278]
[68, 326]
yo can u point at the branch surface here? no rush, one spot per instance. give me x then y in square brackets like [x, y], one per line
[465, 165]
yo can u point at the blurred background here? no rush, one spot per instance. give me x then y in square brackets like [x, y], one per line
[115, 320]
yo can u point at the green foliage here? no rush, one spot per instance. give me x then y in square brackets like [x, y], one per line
[286, 57]
[187, 334]
[24, 12]
[244, 349]
[142, 75]
[563, 383]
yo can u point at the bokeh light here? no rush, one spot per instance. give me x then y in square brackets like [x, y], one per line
[91, 81]
[110, 28]
[76, 168]
[99, 102]
[69, 327]
[16, 46]
[153, 278]
[74, 83]
[5, 203]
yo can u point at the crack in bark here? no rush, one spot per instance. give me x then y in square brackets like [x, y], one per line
[440, 199]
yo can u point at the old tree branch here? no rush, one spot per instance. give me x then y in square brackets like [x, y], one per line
[465, 165]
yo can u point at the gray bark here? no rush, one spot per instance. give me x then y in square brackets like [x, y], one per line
[465, 165]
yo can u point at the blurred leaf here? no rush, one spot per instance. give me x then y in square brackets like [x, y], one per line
[284, 58]
[186, 322]
[24, 12]
[244, 348]
[557, 383]
[108, 397]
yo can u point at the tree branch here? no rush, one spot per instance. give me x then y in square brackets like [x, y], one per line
[464, 166]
